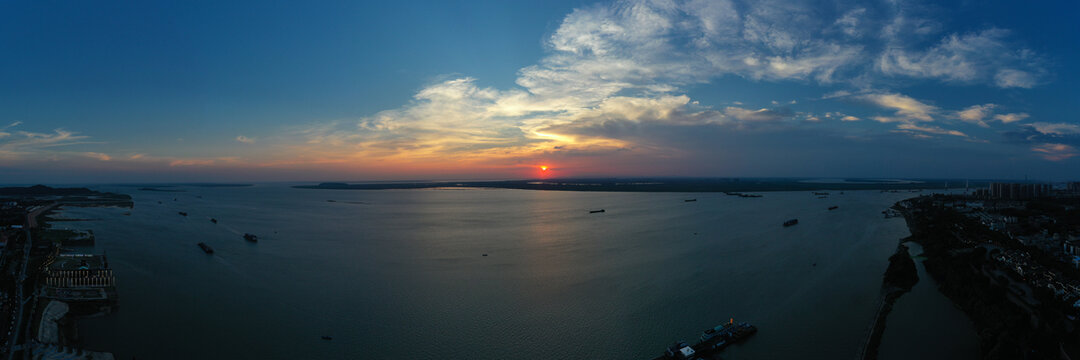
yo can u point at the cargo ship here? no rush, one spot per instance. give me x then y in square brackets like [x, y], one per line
[712, 341]
[791, 222]
[206, 248]
[834, 207]
[251, 237]
[182, 213]
[596, 211]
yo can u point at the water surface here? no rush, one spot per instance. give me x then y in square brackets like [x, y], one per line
[401, 273]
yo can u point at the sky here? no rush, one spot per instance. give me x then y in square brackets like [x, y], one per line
[146, 91]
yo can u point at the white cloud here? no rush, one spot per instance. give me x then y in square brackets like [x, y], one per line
[930, 129]
[1011, 118]
[983, 56]
[245, 139]
[1056, 128]
[975, 114]
[907, 108]
[755, 115]
[611, 68]
[1008, 78]
[849, 23]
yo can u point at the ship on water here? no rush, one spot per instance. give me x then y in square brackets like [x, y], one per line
[711, 341]
[251, 237]
[206, 248]
[791, 222]
[834, 207]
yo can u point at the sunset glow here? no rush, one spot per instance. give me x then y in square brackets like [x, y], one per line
[613, 88]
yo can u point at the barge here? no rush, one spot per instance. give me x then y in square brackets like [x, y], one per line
[711, 342]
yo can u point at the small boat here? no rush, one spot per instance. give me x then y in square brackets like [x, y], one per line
[182, 213]
[596, 211]
[834, 207]
[791, 222]
[485, 254]
[324, 337]
[690, 200]
[251, 237]
[331, 200]
[206, 248]
[213, 220]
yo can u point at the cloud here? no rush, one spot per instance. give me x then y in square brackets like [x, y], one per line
[20, 144]
[930, 130]
[759, 115]
[1054, 152]
[907, 108]
[1010, 118]
[984, 56]
[99, 156]
[1008, 78]
[1040, 133]
[1056, 128]
[614, 75]
[975, 114]
[849, 23]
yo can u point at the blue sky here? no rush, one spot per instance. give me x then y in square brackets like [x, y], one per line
[243, 91]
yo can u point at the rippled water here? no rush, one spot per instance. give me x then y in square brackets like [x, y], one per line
[401, 273]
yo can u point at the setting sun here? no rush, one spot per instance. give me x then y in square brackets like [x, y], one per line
[543, 168]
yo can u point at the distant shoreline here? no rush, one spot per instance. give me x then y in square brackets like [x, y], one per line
[656, 185]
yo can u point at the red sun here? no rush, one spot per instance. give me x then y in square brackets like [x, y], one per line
[543, 168]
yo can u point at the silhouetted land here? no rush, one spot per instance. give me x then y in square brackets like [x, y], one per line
[900, 277]
[960, 255]
[658, 185]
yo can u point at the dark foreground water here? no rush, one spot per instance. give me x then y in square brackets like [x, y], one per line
[400, 273]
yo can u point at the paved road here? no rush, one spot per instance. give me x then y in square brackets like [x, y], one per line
[31, 222]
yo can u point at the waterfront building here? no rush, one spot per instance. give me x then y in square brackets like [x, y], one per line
[1016, 191]
[76, 277]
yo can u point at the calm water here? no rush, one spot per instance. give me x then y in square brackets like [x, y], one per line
[400, 273]
[924, 324]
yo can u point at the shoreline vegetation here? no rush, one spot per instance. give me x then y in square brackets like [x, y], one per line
[979, 286]
[660, 185]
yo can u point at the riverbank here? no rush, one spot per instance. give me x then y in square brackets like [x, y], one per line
[899, 278]
[959, 257]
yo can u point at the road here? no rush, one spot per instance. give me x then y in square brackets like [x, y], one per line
[20, 281]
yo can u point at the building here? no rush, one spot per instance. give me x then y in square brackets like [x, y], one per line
[79, 277]
[1016, 191]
